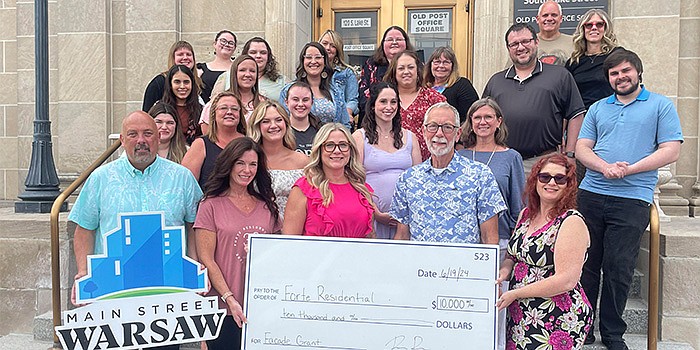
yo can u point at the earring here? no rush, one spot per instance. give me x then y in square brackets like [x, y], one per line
[303, 74]
[324, 75]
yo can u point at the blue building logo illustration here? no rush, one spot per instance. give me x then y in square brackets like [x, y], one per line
[142, 257]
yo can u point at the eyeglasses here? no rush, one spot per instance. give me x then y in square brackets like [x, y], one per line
[559, 179]
[525, 43]
[227, 108]
[446, 128]
[487, 118]
[225, 42]
[442, 63]
[330, 146]
[313, 58]
[394, 40]
[589, 25]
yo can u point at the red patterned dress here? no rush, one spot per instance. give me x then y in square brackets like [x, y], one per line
[412, 116]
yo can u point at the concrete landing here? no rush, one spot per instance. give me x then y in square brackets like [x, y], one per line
[27, 342]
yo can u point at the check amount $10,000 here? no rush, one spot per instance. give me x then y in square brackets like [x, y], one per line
[368, 294]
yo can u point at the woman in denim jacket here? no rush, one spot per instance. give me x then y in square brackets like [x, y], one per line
[344, 78]
[329, 99]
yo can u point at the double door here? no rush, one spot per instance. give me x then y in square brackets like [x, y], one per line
[429, 24]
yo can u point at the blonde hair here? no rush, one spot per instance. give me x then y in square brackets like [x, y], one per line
[608, 43]
[337, 42]
[213, 126]
[354, 171]
[258, 115]
[429, 78]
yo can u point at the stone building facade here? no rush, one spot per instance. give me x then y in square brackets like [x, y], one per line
[103, 54]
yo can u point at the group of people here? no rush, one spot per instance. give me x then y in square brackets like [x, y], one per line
[428, 160]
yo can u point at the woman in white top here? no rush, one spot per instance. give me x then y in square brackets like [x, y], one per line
[270, 127]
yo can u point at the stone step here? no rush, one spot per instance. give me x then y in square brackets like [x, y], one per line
[27, 342]
[636, 316]
[638, 342]
[25, 268]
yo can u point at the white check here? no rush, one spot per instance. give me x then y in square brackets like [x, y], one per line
[324, 293]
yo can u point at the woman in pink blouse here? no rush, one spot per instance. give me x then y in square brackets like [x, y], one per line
[406, 73]
[332, 198]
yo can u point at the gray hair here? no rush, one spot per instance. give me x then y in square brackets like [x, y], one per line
[539, 9]
[441, 105]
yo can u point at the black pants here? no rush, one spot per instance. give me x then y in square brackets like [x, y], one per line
[229, 337]
[615, 226]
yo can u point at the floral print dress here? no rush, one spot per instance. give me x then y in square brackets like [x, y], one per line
[557, 323]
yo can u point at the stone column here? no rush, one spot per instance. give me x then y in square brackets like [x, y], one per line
[82, 81]
[9, 181]
[491, 20]
[287, 29]
[150, 28]
[670, 202]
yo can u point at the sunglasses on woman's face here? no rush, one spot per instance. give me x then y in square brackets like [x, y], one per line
[559, 179]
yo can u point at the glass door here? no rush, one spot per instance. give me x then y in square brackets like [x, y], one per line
[429, 23]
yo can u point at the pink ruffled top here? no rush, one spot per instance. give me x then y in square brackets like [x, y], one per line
[348, 215]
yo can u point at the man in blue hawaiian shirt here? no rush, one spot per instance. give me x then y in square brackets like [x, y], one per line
[139, 182]
[447, 198]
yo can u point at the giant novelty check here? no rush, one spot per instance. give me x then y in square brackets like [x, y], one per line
[312, 293]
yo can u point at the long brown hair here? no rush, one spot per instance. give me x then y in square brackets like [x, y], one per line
[233, 83]
[568, 198]
[390, 76]
[177, 148]
[261, 186]
[369, 122]
[270, 70]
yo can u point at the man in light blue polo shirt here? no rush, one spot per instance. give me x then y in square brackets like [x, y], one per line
[447, 198]
[141, 181]
[624, 139]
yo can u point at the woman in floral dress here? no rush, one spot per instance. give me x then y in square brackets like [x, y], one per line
[547, 308]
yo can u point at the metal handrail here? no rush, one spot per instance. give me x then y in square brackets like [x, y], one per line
[653, 316]
[55, 253]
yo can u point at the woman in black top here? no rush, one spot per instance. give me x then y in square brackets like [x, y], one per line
[594, 40]
[224, 46]
[180, 52]
[442, 74]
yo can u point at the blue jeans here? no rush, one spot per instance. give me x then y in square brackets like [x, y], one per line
[615, 226]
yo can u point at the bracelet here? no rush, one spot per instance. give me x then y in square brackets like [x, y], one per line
[226, 295]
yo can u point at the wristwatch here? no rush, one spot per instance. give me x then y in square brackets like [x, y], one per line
[571, 154]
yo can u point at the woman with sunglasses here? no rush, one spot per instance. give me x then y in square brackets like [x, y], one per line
[545, 257]
[332, 198]
[594, 40]
[224, 46]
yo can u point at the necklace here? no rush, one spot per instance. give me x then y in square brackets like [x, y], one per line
[490, 157]
[592, 57]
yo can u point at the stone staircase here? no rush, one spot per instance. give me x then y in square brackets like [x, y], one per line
[25, 285]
